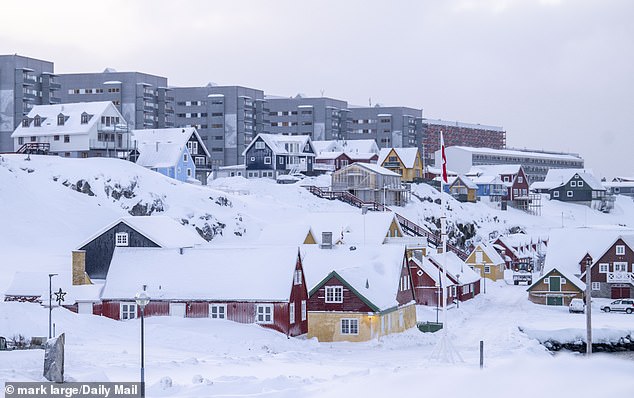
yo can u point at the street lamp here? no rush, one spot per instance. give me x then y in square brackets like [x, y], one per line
[50, 304]
[588, 305]
[142, 299]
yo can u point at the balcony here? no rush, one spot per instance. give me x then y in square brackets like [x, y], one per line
[111, 145]
[29, 80]
[620, 277]
[55, 100]
[394, 165]
[53, 86]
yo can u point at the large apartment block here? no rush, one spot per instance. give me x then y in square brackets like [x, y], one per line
[390, 127]
[226, 117]
[459, 134]
[24, 83]
[320, 118]
[144, 100]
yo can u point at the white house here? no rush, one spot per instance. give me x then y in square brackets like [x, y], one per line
[83, 129]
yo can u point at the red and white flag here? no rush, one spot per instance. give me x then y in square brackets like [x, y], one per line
[444, 159]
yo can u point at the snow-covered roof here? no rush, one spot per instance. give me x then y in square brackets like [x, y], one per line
[373, 271]
[519, 154]
[247, 274]
[456, 268]
[406, 155]
[327, 146]
[431, 270]
[466, 181]
[328, 155]
[36, 284]
[162, 230]
[277, 143]
[361, 155]
[490, 252]
[559, 177]
[485, 179]
[290, 233]
[72, 124]
[494, 169]
[160, 155]
[179, 136]
[566, 274]
[567, 246]
[375, 168]
[360, 146]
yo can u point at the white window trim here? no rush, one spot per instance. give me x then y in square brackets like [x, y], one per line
[620, 250]
[573, 184]
[596, 285]
[124, 241]
[218, 314]
[620, 264]
[297, 277]
[121, 312]
[569, 194]
[580, 183]
[304, 313]
[291, 313]
[603, 268]
[334, 289]
[267, 160]
[350, 322]
[257, 314]
[555, 194]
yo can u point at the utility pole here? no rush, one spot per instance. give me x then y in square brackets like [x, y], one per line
[588, 306]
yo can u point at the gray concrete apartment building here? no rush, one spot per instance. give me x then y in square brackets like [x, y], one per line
[389, 126]
[226, 117]
[322, 118]
[24, 82]
[144, 100]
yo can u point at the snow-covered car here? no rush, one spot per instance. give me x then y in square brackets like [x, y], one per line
[626, 305]
[577, 305]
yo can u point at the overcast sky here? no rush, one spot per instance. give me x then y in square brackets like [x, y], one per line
[557, 75]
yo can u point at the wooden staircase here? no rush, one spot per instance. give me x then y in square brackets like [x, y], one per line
[407, 225]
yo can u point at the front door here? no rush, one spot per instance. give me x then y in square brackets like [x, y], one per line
[177, 310]
[555, 300]
[555, 284]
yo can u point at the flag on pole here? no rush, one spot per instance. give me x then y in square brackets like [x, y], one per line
[444, 159]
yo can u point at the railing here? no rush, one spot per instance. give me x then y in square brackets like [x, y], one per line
[124, 145]
[620, 277]
[41, 148]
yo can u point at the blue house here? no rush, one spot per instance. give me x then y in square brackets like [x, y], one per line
[272, 155]
[490, 186]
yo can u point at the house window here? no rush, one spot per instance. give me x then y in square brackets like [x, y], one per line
[37, 121]
[603, 268]
[193, 147]
[573, 184]
[259, 145]
[520, 179]
[334, 294]
[264, 313]
[121, 239]
[569, 194]
[479, 257]
[620, 250]
[253, 158]
[291, 313]
[25, 123]
[267, 160]
[60, 119]
[579, 184]
[218, 311]
[555, 194]
[349, 326]
[20, 140]
[303, 310]
[85, 118]
[185, 157]
[596, 285]
[56, 138]
[127, 310]
[33, 138]
[620, 267]
[297, 277]
[67, 138]
[487, 269]
[189, 172]
[281, 160]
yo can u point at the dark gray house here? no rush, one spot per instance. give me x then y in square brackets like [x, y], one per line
[270, 155]
[575, 186]
[142, 231]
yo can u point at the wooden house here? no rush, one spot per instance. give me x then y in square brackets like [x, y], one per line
[486, 261]
[574, 186]
[371, 183]
[427, 282]
[358, 293]
[272, 155]
[489, 186]
[513, 178]
[556, 288]
[463, 189]
[334, 160]
[466, 280]
[140, 231]
[612, 269]
[260, 285]
[178, 153]
[517, 251]
[407, 162]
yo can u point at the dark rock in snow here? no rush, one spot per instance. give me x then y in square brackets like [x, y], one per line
[54, 359]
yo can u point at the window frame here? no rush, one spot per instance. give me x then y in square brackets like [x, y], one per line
[351, 326]
[291, 313]
[596, 286]
[620, 250]
[297, 277]
[219, 314]
[264, 315]
[304, 310]
[124, 241]
[331, 291]
[130, 311]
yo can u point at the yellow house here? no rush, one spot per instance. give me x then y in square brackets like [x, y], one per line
[404, 161]
[367, 292]
[487, 261]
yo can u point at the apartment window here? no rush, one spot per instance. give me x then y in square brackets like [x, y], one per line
[218, 311]
[56, 138]
[303, 310]
[216, 114]
[569, 194]
[596, 285]
[603, 268]
[127, 310]
[349, 326]
[216, 125]
[620, 250]
[267, 160]
[334, 294]
[264, 313]
[297, 277]
[291, 313]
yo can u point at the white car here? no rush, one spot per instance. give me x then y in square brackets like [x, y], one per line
[577, 305]
[626, 305]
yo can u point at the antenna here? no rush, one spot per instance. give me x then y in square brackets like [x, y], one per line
[322, 92]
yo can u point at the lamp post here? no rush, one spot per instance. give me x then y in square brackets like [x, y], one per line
[142, 299]
[588, 306]
[50, 304]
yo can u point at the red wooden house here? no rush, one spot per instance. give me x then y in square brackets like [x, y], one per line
[335, 160]
[247, 285]
[613, 271]
[513, 177]
[517, 251]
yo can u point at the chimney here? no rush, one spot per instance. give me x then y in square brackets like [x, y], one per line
[79, 268]
[326, 240]
[181, 250]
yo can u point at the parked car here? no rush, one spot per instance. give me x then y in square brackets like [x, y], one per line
[577, 305]
[626, 305]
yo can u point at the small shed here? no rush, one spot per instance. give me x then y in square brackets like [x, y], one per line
[463, 189]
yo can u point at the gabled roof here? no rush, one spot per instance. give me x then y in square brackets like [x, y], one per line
[456, 268]
[406, 155]
[160, 154]
[373, 271]
[627, 239]
[485, 179]
[36, 284]
[162, 230]
[178, 136]
[327, 146]
[72, 125]
[374, 168]
[559, 177]
[328, 155]
[489, 251]
[495, 169]
[245, 274]
[360, 146]
[465, 181]
[569, 276]
[277, 143]
[431, 270]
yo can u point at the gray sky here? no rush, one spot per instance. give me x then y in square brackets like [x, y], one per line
[555, 74]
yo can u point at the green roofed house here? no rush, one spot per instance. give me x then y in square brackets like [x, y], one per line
[556, 288]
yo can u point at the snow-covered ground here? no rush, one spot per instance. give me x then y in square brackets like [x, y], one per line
[43, 219]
